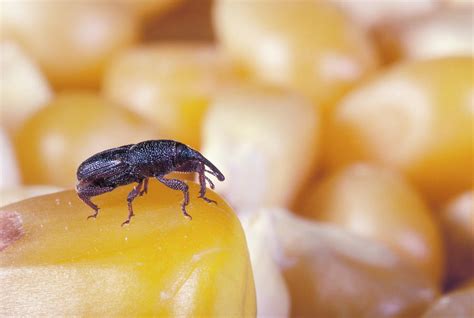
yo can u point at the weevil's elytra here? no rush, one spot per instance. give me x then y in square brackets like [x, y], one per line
[127, 164]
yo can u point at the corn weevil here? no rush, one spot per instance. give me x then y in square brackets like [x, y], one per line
[109, 169]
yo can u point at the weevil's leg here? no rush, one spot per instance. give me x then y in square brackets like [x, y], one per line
[202, 181]
[219, 177]
[88, 201]
[86, 191]
[178, 185]
[145, 188]
[211, 172]
[211, 184]
[200, 168]
[131, 196]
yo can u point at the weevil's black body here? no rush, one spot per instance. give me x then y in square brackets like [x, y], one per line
[119, 166]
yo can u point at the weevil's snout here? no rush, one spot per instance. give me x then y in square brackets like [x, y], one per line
[215, 171]
[185, 154]
[219, 176]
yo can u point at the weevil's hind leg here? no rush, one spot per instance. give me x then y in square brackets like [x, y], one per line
[178, 185]
[131, 196]
[145, 187]
[85, 192]
[202, 181]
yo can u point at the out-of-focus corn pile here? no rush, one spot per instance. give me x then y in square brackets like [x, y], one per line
[344, 129]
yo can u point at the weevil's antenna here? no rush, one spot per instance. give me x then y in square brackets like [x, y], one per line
[214, 171]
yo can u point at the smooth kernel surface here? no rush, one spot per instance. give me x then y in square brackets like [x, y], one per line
[55, 261]
[378, 204]
[74, 126]
[24, 88]
[14, 193]
[416, 117]
[254, 136]
[308, 46]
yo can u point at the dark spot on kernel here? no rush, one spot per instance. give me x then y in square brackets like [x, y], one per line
[11, 228]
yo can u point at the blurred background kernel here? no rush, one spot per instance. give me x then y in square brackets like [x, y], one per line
[344, 129]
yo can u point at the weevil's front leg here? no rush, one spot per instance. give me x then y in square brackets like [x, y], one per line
[85, 191]
[178, 185]
[211, 184]
[212, 173]
[202, 181]
[131, 196]
[145, 187]
[88, 201]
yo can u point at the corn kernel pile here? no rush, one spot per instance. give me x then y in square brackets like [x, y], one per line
[344, 130]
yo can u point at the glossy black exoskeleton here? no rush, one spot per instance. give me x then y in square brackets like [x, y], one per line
[119, 166]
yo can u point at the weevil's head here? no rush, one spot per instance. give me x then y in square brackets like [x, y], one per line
[185, 154]
[82, 186]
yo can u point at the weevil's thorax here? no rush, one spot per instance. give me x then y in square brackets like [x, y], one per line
[152, 157]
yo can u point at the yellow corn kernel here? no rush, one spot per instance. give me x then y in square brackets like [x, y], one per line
[71, 40]
[55, 261]
[74, 126]
[169, 84]
[415, 117]
[266, 138]
[381, 205]
[14, 193]
[24, 87]
[308, 46]
[457, 303]
[330, 272]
